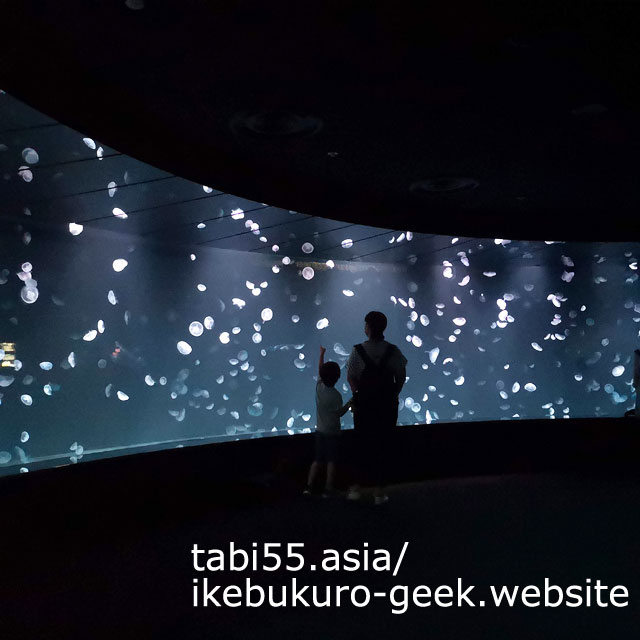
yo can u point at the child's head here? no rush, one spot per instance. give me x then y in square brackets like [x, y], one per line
[330, 373]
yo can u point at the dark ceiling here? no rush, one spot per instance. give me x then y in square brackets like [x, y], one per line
[364, 112]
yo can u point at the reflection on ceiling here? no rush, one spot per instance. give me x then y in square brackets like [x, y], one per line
[53, 176]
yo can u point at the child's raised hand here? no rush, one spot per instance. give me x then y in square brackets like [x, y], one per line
[322, 350]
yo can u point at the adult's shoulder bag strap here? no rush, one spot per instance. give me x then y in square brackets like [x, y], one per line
[368, 362]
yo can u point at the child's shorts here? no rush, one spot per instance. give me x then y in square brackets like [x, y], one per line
[327, 447]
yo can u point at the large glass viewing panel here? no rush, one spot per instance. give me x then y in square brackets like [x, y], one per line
[141, 310]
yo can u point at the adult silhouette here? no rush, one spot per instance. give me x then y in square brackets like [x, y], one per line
[376, 372]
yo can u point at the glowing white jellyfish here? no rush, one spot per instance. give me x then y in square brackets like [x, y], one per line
[307, 247]
[46, 366]
[149, 380]
[184, 348]
[90, 143]
[238, 302]
[616, 372]
[530, 386]
[196, 328]
[30, 155]
[100, 326]
[24, 436]
[416, 341]
[29, 294]
[433, 354]
[26, 174]
[256, 338]
[286, 260]
[209, 323]
[348, 293]
[347, 243]
[308, 273]
[119, 265]
[266, 314]
[202, 287]
[26, 400]
[71, 359]
[111, 296]
[536, 346]
[90, 335]
[207, 189]
[447, 272]
[515, 388]
[122, 396]
[459, 381]
[323, 323]
[236, 330]
[460, 321]
[489, 274]
[201, 225]
[237, 214]
[225, 337]
[119, 213]
[102, 363]
[295, 319]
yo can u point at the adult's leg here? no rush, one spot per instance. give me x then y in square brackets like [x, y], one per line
[356, 451]
[331, 476]
[388, 419]
[313, 473]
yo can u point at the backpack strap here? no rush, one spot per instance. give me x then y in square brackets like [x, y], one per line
[387, 356]
[368, 362]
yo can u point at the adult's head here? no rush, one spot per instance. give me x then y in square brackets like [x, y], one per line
[330, 373]
[375, 322]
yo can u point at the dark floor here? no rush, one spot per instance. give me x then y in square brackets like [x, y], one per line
[128, 573]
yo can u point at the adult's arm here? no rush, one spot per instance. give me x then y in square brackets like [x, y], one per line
[400, 371]
[400, 379]
[351, 378]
